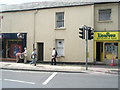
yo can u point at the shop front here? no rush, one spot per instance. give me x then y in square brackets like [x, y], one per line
[107, 46]
[11, 44]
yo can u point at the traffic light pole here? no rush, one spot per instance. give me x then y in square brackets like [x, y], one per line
[86, 31]
[86, 48]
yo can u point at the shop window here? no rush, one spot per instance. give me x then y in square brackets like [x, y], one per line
[111, 48]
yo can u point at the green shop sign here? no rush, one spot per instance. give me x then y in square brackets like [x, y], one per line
[106, 36]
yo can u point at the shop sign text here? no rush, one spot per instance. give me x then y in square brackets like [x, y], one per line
[106, 36]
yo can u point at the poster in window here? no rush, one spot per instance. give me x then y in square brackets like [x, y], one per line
[15, 49]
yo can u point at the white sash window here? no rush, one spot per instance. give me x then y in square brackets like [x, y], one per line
[59, 19]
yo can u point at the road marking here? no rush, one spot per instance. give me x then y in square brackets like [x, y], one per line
[47, 80]
[24, 71]
[19, 81]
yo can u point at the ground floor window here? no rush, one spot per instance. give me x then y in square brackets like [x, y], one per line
[60, 47]
[10, 45]
[14, 49]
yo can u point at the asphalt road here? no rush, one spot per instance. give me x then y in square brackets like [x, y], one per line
[32, 79]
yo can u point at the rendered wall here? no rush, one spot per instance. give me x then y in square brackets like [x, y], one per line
[42, 25]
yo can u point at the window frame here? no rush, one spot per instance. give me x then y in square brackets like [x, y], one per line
[106, 13]
[57, 14]
[58, 48]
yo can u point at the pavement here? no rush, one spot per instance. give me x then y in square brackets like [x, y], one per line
[60, 68]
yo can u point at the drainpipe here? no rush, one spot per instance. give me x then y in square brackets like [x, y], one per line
[1, 21]
[1, 17]
[93, 25]
[36, 11]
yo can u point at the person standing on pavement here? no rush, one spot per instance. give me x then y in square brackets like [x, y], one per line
[54, 55]
[25, 55]
[34, 56]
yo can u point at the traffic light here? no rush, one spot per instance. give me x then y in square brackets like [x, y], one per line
[90, 33]
[82, 33]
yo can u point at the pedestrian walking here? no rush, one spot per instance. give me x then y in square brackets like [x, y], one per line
[33, 56]
[18, 57]
[53, 58]
[25, 55]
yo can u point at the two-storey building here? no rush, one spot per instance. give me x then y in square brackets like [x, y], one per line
[56, 24]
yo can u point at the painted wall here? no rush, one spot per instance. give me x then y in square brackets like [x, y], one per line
[74, 48]
[42, 23]
[14, 22]
[107, 25]
[112, 25]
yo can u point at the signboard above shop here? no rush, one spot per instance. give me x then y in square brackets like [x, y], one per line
[107, 36]
[12, 35]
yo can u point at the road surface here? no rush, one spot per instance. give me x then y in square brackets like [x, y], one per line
[32, 79]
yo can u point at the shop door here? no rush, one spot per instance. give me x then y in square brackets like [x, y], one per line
[99, 51]
[40, 49]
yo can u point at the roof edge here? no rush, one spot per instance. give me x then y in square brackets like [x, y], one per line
[106, 2]
[92, 3]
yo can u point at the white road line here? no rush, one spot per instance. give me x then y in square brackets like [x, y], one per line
[24, 71]
[19, 81]
[46, 81]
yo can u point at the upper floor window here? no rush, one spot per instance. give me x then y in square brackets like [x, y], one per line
[59, 19]
[104, 14]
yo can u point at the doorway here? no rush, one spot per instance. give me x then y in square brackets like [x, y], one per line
[40, 49]
[99, 51]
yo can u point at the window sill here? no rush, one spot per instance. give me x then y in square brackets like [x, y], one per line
[62, 28]
[106, 21]
[60, 56]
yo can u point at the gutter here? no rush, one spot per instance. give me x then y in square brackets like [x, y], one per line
[45, 8]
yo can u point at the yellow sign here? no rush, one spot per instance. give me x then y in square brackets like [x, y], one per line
[106, 35]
